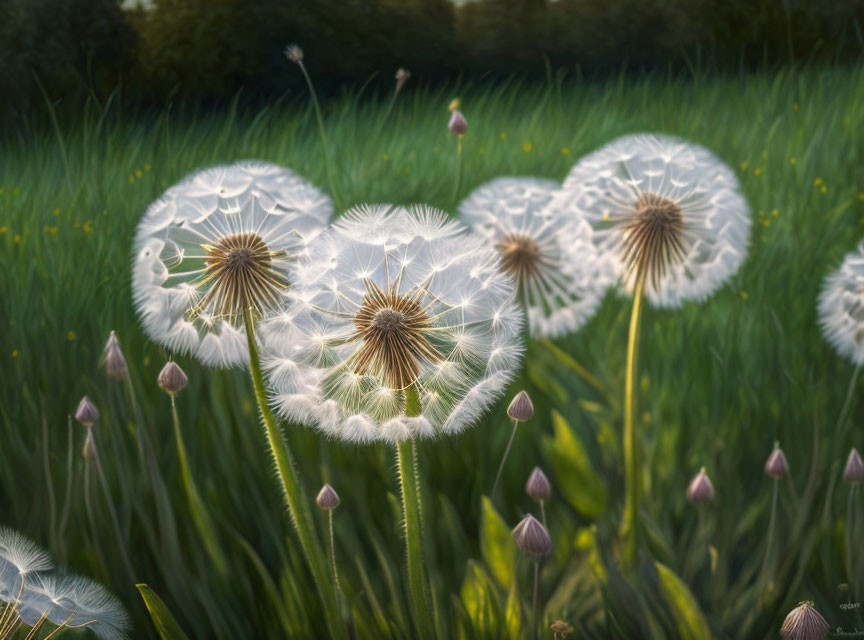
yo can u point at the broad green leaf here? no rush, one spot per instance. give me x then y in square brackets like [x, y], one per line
[513, 615]
[497, 545]
[586, 542]
[480, 600]
[691, 622]
[576, 479]
[164, 622]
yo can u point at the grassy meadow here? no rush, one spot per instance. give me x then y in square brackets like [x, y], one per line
[720, 382]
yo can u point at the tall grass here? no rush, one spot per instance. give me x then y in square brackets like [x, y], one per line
[719, 382]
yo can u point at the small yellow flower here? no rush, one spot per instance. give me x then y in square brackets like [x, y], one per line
[646, 417]
[147, 360]
[795, 107]
[564, 151]
[775, 212]
[606, 216]
[744, 295]
[386, 156]
[860, 197]
[51, 230]
[131, 179]
[2, 229]
[56, 212]
[88, 226]
[16, 191]
[138, 173]
[765, 155]
[146, 167]
[824, 188]
[2, 191]
[70, 336]
[757, 172]
[766, 222]
[817, 182]
[526, 147]
[17, 238]
[454, 104]
[14, 353]
[792, 161]
[503, 135]
[744, 165]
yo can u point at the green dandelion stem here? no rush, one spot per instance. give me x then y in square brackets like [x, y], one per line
[630, 524]
[504, 459]
[406, 460]
[298, 505]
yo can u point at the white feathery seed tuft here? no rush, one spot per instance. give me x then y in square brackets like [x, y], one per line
[841, 307]
[219, 242]
[386, 299]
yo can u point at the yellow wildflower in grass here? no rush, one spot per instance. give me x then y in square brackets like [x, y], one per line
[793, 161]
[104, 212]
[88, 226]
[795, 107]
[564, 151]
[14, 353]
[860, 197]
[744, 165]
[146, 167]
[51, 230]
[131, 179]
[70, 336]
[2, 229]
[775, 212]
[17, 238]
[16, 191]
[526, 147]
[503, 135]
[386, 156]
[765, 155]
[744, 295]
[757, 172]
[56, 212]
[824, 188]
[817, 182]
[138, 173]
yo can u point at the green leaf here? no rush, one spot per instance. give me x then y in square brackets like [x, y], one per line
[164, 622]
[689, 617]
[497, 545]
[513, 614]
[576, 479]
[586, 542]
[480, 600]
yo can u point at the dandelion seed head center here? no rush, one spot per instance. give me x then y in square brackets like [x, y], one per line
[388, 320]
[520, 255]
[653, 237]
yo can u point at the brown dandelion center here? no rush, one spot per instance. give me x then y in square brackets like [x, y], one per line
[239, 270]
[395, 333]
[653, 237]
[520, 256]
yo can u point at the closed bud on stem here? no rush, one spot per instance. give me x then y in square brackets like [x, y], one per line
[457, 124]
[804, 623]
[327, 498]
[776, 466]
[402, 76]
[532, 538]
[521, 408]
[700, 489]
[112, 357]
[294, 53]
[538, 486]
[86, 413]
[172, 378]
[854, 471]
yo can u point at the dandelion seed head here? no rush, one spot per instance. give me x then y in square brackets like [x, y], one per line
[560, 275]
[664, 208]
[19, 557]
[221, 241]
[841, 307]
[294, 53]
[386, 299]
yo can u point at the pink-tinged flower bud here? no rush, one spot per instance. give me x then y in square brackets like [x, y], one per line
[521, 408]
[327, 498]
[112, 357]
[854, 471]
[402, 76]
[532, 538]
[538, 486]
[172, 378]
[776, 466]
[700, 489]
[294, 53]
[804, 623]
[86, 413]
[457, 124]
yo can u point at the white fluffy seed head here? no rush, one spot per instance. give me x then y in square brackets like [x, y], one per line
[664, 206]
[561, 276]
[222, 240]
[20, 559]
[841, 307]
[387, 298]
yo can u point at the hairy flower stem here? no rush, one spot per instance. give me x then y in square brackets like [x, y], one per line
[630, 525]
[504, 459]
[458, 185]
[200, 514]
[321, 134]
[298, 505]
[333, 555]
[406, 461]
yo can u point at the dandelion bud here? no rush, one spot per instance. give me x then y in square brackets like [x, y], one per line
[457, 124]
[776, 465]
[294, 53]
[171, 378]
[560, 630]
[532, 538]
[112, 356]
[521, 408]
[327, 498]
[86, 413]
[854, 471]
[538, 486]
[700, 489]
[804, 623]
[402, 76]
[89, 445]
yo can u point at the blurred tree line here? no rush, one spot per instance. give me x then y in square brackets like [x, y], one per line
[211, 49]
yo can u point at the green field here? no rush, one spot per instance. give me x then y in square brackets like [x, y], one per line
[720, 382]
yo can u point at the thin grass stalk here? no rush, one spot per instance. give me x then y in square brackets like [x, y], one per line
[458, 185]
[504, 459]
[200, 514]
[536, 601]
[298, 506]
[630, 524]
[543, 513]
[769, 549]
[406, 462]
[322, 134]
[850, 537]
[49, 483]
[577, 368]
[847, 402]
[67, 497]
